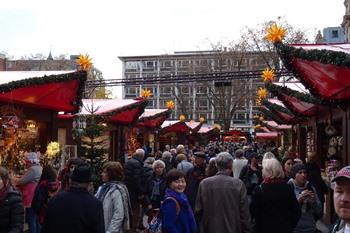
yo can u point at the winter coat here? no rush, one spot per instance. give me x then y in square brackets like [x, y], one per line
[11, 213]
[250, 178]
[74, 211]
[339, 227]
[237, 166]
[150, 198]
[173, 222]
[315, 178]
[307, 220]
[274, 204]
[184, 166]
[28, 183]
[116, 207]
[222, 206]
[133, 173]
[194, 176]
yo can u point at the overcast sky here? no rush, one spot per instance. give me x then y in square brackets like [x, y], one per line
[106, 29]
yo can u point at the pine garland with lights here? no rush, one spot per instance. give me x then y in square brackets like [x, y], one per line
[277, 107]
[268, 114]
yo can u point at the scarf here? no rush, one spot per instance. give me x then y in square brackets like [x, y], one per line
[273, 181]
[156, 189]
[4, 191]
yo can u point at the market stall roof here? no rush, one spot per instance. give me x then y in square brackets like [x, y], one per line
[153, 118]
[206, 129]
[120, 111]
[278, 108]
[194, 126]
[295, 97]
[276, 126]
[53, 90]
[175, 126]
[269, 135]
[323, 69]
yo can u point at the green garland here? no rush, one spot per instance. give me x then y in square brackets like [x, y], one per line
[271, 115]
[289, 53]
[276, 90]
[277, 108]
[321, 55]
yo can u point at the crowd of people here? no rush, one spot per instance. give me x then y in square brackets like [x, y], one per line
[214, 188]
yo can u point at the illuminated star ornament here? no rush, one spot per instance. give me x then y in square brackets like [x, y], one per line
[146, 93]
[275, 33]
[262, 93]
[182, 118]
[170, 104]
[201, 120]
[268, 75]
[84, 62]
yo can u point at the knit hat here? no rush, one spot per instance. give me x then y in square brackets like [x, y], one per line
[82, 173]
[343, 173]
[200, 154]
[32, 157]
[297, 168]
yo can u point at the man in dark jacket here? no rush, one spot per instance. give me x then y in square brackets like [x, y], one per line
[194, 176]
[75, 211]
[133, 180]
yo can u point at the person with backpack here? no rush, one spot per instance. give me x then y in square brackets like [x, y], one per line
[176, 212]
[310, 205]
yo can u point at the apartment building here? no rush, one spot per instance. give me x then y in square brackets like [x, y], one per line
[193, 98]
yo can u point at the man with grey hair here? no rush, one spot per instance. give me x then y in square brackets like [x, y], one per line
[133, 173]
[221, 204]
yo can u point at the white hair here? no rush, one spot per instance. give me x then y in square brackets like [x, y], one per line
[167, 155]
[180, 148]
[272, 168]
[158, 163]
[269, 155]
[139, 152]
[224, 161]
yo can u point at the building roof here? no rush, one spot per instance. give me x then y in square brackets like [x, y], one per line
[9, 76]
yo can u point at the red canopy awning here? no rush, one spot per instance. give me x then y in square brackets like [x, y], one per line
[235, 133]
[153, 118]
[175, 126]
[270, 135]
[119, 111]
[323, 69]
[58, 92]
[207, 129]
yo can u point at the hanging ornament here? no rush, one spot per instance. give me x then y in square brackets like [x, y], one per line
[145, 93]
[268, 75]
[262, 93]
[275, 33]
[257, 126]
[84, 62]
[182, 118]
[170, 104]
[201, 120]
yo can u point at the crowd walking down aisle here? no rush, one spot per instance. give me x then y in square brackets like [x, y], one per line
[217, 188]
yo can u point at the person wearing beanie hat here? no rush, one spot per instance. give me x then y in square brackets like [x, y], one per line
[76, 210]
[310, 205]
[341, 200]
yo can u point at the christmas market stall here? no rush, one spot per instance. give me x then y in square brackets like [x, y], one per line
[148, 125]
[322, 111]
[29, 106]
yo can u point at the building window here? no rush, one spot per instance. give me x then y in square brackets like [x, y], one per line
[185, 90]
[335, 34]
[201, 90]
[166, 64]
[165, 90]
[132, 66]
[131, 90]
[202, 104]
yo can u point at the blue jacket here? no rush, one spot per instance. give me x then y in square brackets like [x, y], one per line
[184, 222]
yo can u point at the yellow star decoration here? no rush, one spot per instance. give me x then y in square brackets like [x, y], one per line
[262, 93]
[258, 102]
[170, 104]
[261, 118]
[217, 126]
[84, 62]
[146, 93]
[182, 118]
[275, 33]
[257, 126]
[255, 117]
[268, 75]
[201, 120]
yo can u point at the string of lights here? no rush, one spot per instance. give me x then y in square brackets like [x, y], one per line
[184, 78]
